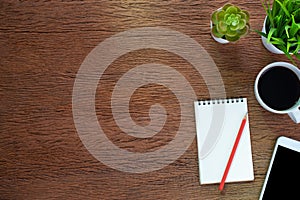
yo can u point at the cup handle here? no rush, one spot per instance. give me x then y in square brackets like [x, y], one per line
[295, 116]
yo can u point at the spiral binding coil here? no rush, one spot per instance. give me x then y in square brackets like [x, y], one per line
[220, 101]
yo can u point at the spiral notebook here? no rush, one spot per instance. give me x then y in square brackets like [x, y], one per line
[217, 125]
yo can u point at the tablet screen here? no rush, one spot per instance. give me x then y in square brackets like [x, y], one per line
[284, 176]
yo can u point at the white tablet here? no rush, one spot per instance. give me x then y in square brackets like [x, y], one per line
[283, 175]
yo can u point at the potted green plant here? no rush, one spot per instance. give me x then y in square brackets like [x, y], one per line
[281, 29]
[229, 24]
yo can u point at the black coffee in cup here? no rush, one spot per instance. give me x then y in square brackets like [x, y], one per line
[279, 88]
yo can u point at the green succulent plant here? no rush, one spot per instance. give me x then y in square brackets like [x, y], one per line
[230, 23]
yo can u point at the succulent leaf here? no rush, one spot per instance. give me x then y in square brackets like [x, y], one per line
[216, 33]
[222, 27]
[226, 6]
[220, 16]
[231, 33]
[244, 15]
[231, 10]
[242, 23]
[244, 31]
[232, 39]
[214, 18]
[234, 28]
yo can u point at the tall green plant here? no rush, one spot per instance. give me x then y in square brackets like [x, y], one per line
[283, 26]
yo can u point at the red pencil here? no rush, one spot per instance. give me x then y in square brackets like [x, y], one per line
[237, 140]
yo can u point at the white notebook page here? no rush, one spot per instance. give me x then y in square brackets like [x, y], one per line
[227, 115]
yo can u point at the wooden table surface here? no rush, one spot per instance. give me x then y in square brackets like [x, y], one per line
[42, 46]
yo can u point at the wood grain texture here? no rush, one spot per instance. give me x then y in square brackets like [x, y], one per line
[42, 46]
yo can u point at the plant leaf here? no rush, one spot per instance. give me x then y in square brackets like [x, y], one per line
[242, 24]
[222, 27]
[283, 8]
[216, 33]
[286, 28]
[214, 18]
[232, 39]
[293, 40]
[244, 31]
[294, 27]
[231, 33]
[245, 15]
[288, 45]
[261, 33]
[226, 6]
[231, 9]
[220, 15]
[277, 41]
[272, 30]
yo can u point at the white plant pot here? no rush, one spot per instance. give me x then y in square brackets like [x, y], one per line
[267, 45]
[220, 40]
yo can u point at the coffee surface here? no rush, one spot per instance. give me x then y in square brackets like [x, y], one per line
[279, 88]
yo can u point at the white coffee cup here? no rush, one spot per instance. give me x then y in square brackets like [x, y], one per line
[293, 111]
